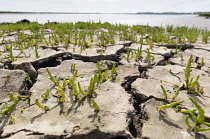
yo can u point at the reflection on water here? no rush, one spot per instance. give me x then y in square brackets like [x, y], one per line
[131, 19]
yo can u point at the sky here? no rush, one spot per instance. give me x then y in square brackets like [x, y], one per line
[105, 6]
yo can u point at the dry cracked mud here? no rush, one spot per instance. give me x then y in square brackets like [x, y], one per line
[127, 104]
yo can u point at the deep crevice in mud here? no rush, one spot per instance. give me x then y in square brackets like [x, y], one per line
[51, 63]
[168, 56]
[175, 46]
[132, 124]
[96, 134]
[135, 123]
[53, 48]
[57, 59]
[137, 120]
[54, 136]
[129, 80]
[25, 88]
[166, 59]
[37, 64]
[8, 65]
[162, 63]
[200, 63]
[119, 137]
[132, 128]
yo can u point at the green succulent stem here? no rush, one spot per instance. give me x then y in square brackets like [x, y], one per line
[164, 92]
[168, 105]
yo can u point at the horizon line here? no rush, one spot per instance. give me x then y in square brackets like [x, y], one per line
[19, 12]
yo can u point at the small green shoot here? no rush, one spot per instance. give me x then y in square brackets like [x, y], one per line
[205, 36]
[74, 87]
[46, 95]
[202, 62]
[12, 118]
[138, 53]
[129, 54]
[92, 85]
[176, 94]
[150, 42]
[95, 105]
[164, 92]
[73, 67]
[61, 94]
[81, 90]
[114, 72]
[149, 57]
[188, 71]
[28, 78]
[10, 57]
[36, 53]
[99, 69]
[104, 77]
[161, 107]
[190, 85]
[73, 78]
[181, 56]
[52, 78]
[41, 105]
[12, 97]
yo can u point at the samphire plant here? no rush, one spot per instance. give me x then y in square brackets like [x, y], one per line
[61, 92]
[198, 120]
[6, 109]
[161, 107]
[40, 105]
[129, 54]
[205, 36]
[46, 95]
[190, 85]
[149, 57]
[102, 76]
[81, 95]
[52, 78]
[95, 105]
[10, 57]
[178, 49]
[150, 42]
[114, 72]
[181, 57]
[28, 78]
[73, 67]
[172, 102]
[60, 87]
[138, 53]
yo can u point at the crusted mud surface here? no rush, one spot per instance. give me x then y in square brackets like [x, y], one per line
[127, 104]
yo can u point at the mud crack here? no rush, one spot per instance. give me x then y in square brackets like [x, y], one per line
[24, 130]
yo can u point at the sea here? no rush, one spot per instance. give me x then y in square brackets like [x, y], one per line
[163, 20]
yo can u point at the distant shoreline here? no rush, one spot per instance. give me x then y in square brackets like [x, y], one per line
[207, 15]
[153, 13]
[123, 18]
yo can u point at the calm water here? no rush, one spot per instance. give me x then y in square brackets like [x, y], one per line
[131, 19]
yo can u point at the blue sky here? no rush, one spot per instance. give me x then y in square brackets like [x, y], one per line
[105, 6]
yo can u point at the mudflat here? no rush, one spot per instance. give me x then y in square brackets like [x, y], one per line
[99, 80]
